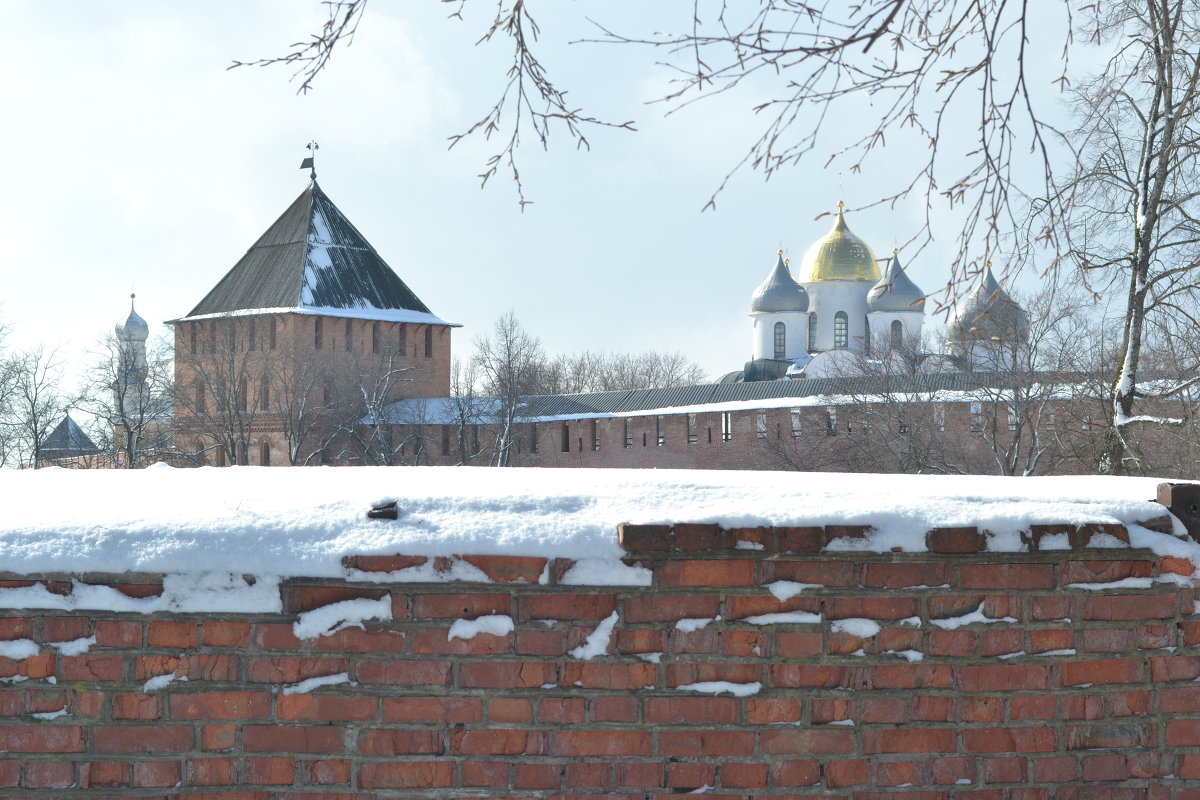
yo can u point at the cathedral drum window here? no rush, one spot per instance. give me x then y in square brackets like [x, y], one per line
[780, 340]
[841, 331]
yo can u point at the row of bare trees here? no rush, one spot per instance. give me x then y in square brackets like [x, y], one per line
[1108, 199]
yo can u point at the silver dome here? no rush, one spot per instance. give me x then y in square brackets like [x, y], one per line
[779, 292]
[895, 291]
[135, 328]
[988, 313]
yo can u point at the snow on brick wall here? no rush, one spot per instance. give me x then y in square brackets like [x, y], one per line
[755, 662]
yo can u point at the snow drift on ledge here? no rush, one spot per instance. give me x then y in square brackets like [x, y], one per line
[300, 522]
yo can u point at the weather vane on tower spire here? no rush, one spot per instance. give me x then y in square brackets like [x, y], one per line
[310, 163]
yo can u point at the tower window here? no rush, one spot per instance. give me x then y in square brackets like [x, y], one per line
[429, 341]
[760, 424]
[726, 426]
[831, 422]
[812, 330]
[201, 399]
[375, 343]
[897, 334]
[566, 437]
[317, 333]
[780, 340]
[252, 339]
[264, 394]
[264, 453]
[243, 390]
[841, 331]
[349, 335]
[795, 422]
[403, 339]
[193, 331]
[271, 330]
[629, 432]
[533, 442]
[595, 435]
[691, 428]
[659, 433]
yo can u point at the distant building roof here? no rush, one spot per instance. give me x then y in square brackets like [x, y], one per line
[693, 399]
[313, 260]
[68, 439]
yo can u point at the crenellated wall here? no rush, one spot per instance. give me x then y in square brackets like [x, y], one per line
[954, 673]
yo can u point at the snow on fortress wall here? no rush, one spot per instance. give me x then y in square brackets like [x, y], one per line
[829, 660]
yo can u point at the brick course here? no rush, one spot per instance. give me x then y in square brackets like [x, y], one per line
[1089, 693]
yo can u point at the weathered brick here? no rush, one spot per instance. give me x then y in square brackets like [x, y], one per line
[1007, 576]
[432, 709]
[1003, 677]
[181, 635]
[153, 738]
[225, 633]
[692, 710]
[797, 772]
[1129, 607]
[904, 575]
[497, 742]
[706, 743]
[955, 540]
[614, 742]
[157, 774]
[104, 774]
[669, 608]
[1116, 670]
[689, 536]
[324, 708]
[506, 674]
[805, 742]
[456, 605]
[908, 740]
[509, 569]
[401, 742]
[406, 775]
[644, 537]
[707, 572]
[409, 672]
[822, 573]
[292, 739]
[570, 606]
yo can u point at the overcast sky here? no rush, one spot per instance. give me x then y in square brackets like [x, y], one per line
[133, 159]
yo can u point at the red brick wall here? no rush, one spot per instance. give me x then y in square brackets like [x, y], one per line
[517, 716]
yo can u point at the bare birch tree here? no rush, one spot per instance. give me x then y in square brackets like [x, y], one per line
[1134, 199]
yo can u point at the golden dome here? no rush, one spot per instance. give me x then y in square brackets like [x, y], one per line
[838, 256]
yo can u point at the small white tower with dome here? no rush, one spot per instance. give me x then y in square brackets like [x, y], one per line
[130, 389]
[895, 310]
[988, 329]
[779, 308]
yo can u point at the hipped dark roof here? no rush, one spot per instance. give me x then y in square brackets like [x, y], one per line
[68, 438]
[311, 257]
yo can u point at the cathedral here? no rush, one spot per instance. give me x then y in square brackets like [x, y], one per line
[838, 314]
[312, 350]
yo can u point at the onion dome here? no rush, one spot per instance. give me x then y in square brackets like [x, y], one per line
[779, 292]
[135, 328]
[988, 313]
[895, 290]
[839, 256]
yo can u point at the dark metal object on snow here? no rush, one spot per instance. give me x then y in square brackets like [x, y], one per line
[385, 511]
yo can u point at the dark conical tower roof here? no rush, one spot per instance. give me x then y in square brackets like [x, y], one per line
[68, 438]
[313, 259]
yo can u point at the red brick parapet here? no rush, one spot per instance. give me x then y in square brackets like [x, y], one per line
[773, 669]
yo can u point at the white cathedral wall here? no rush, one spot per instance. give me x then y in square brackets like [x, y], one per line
[880, 323]
[796, 334]
[826, 298]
